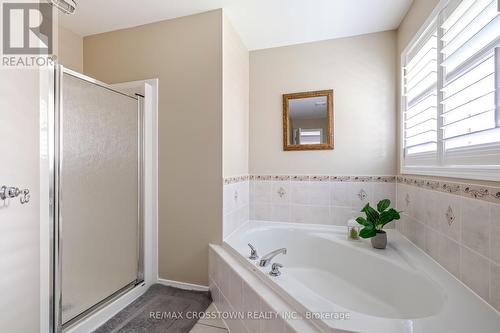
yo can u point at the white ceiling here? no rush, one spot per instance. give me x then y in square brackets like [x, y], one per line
[308, 108]
[260, 23]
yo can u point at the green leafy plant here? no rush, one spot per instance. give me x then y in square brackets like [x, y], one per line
[376, 219]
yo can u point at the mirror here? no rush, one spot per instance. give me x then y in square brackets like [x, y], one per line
[308, 120]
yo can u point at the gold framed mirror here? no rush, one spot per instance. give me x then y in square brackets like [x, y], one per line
[308, 120]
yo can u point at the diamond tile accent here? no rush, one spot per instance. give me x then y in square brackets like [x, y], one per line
[450, 216]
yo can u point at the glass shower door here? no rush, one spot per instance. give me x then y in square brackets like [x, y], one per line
[99, 200]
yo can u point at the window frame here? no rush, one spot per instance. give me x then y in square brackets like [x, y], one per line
[432, 163]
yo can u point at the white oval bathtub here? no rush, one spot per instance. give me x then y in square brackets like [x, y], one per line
[399, 289]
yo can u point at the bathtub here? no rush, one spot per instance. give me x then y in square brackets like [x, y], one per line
[343, 285]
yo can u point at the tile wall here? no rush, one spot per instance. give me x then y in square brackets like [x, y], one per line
[458, 225]
[236, 203]
[301, 199]
[316, 199]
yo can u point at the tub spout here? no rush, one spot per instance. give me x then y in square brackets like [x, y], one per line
[266, 260]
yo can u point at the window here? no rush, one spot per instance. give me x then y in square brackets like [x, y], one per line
[310, 136]
[450, 123]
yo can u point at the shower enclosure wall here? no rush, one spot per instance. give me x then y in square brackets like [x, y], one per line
[96, 195]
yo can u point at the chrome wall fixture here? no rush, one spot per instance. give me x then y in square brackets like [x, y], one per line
[14, 192]
[64, 6]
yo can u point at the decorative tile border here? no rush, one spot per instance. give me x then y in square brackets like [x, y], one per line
[312, 178]
[485, 193]
[236, 179]
[326, 178]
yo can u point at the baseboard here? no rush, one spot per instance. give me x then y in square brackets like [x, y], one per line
[182, 285]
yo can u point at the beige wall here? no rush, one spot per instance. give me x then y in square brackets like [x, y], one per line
[361, 71]
[186, 55]
[70, 49]
[416, 16]
[235, 102]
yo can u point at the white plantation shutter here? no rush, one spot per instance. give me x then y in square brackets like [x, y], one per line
[310, 136]
[420, 93]
[451, 93]
[470, 35]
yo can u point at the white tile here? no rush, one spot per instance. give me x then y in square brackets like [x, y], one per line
[495, 286]
[262, 191]
[262, 212]
[243, 194]
[449, 255]
[416, 232]
[448, 205]
[340, 194]
[214, 291]
[361, 194]
[320, 193]
[273, 325]
[417, 210]
[432, 240]
[300, 192]
[233, 325]
[431, 212]
[384, 191]
[228, 224]
[212, 319]
[251, 303]
[342, 214]
[495, 233]
[319, 215]
[281, 213]
[475, 272]
[229, 204]
[200, 328]
[235, 294]
[252, 211]
[405, 199]
[224, 278]
[217, 267]
[476, 225]
[280, 193]
[211, 264]
[300, 213]
[400, 196]
[251, 191]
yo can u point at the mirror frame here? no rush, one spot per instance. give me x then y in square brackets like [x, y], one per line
[321, 146]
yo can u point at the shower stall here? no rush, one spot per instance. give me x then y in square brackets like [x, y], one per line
[96, 154]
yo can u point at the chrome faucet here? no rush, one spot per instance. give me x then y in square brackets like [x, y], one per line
[266, 260]
[253, 252]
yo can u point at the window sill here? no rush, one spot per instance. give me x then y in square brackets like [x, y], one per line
[488, 173]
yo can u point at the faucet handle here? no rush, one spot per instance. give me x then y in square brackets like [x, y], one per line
[275, 269]
[253, 252]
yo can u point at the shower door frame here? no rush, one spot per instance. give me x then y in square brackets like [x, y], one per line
[55, 144]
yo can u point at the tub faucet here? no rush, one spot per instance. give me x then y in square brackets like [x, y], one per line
[253, 252]
[266, 260]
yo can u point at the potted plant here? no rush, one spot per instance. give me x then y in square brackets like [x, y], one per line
[375, 221]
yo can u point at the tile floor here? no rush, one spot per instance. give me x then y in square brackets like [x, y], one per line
[210, 325]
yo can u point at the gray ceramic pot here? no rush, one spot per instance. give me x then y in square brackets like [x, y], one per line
[380, 240]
